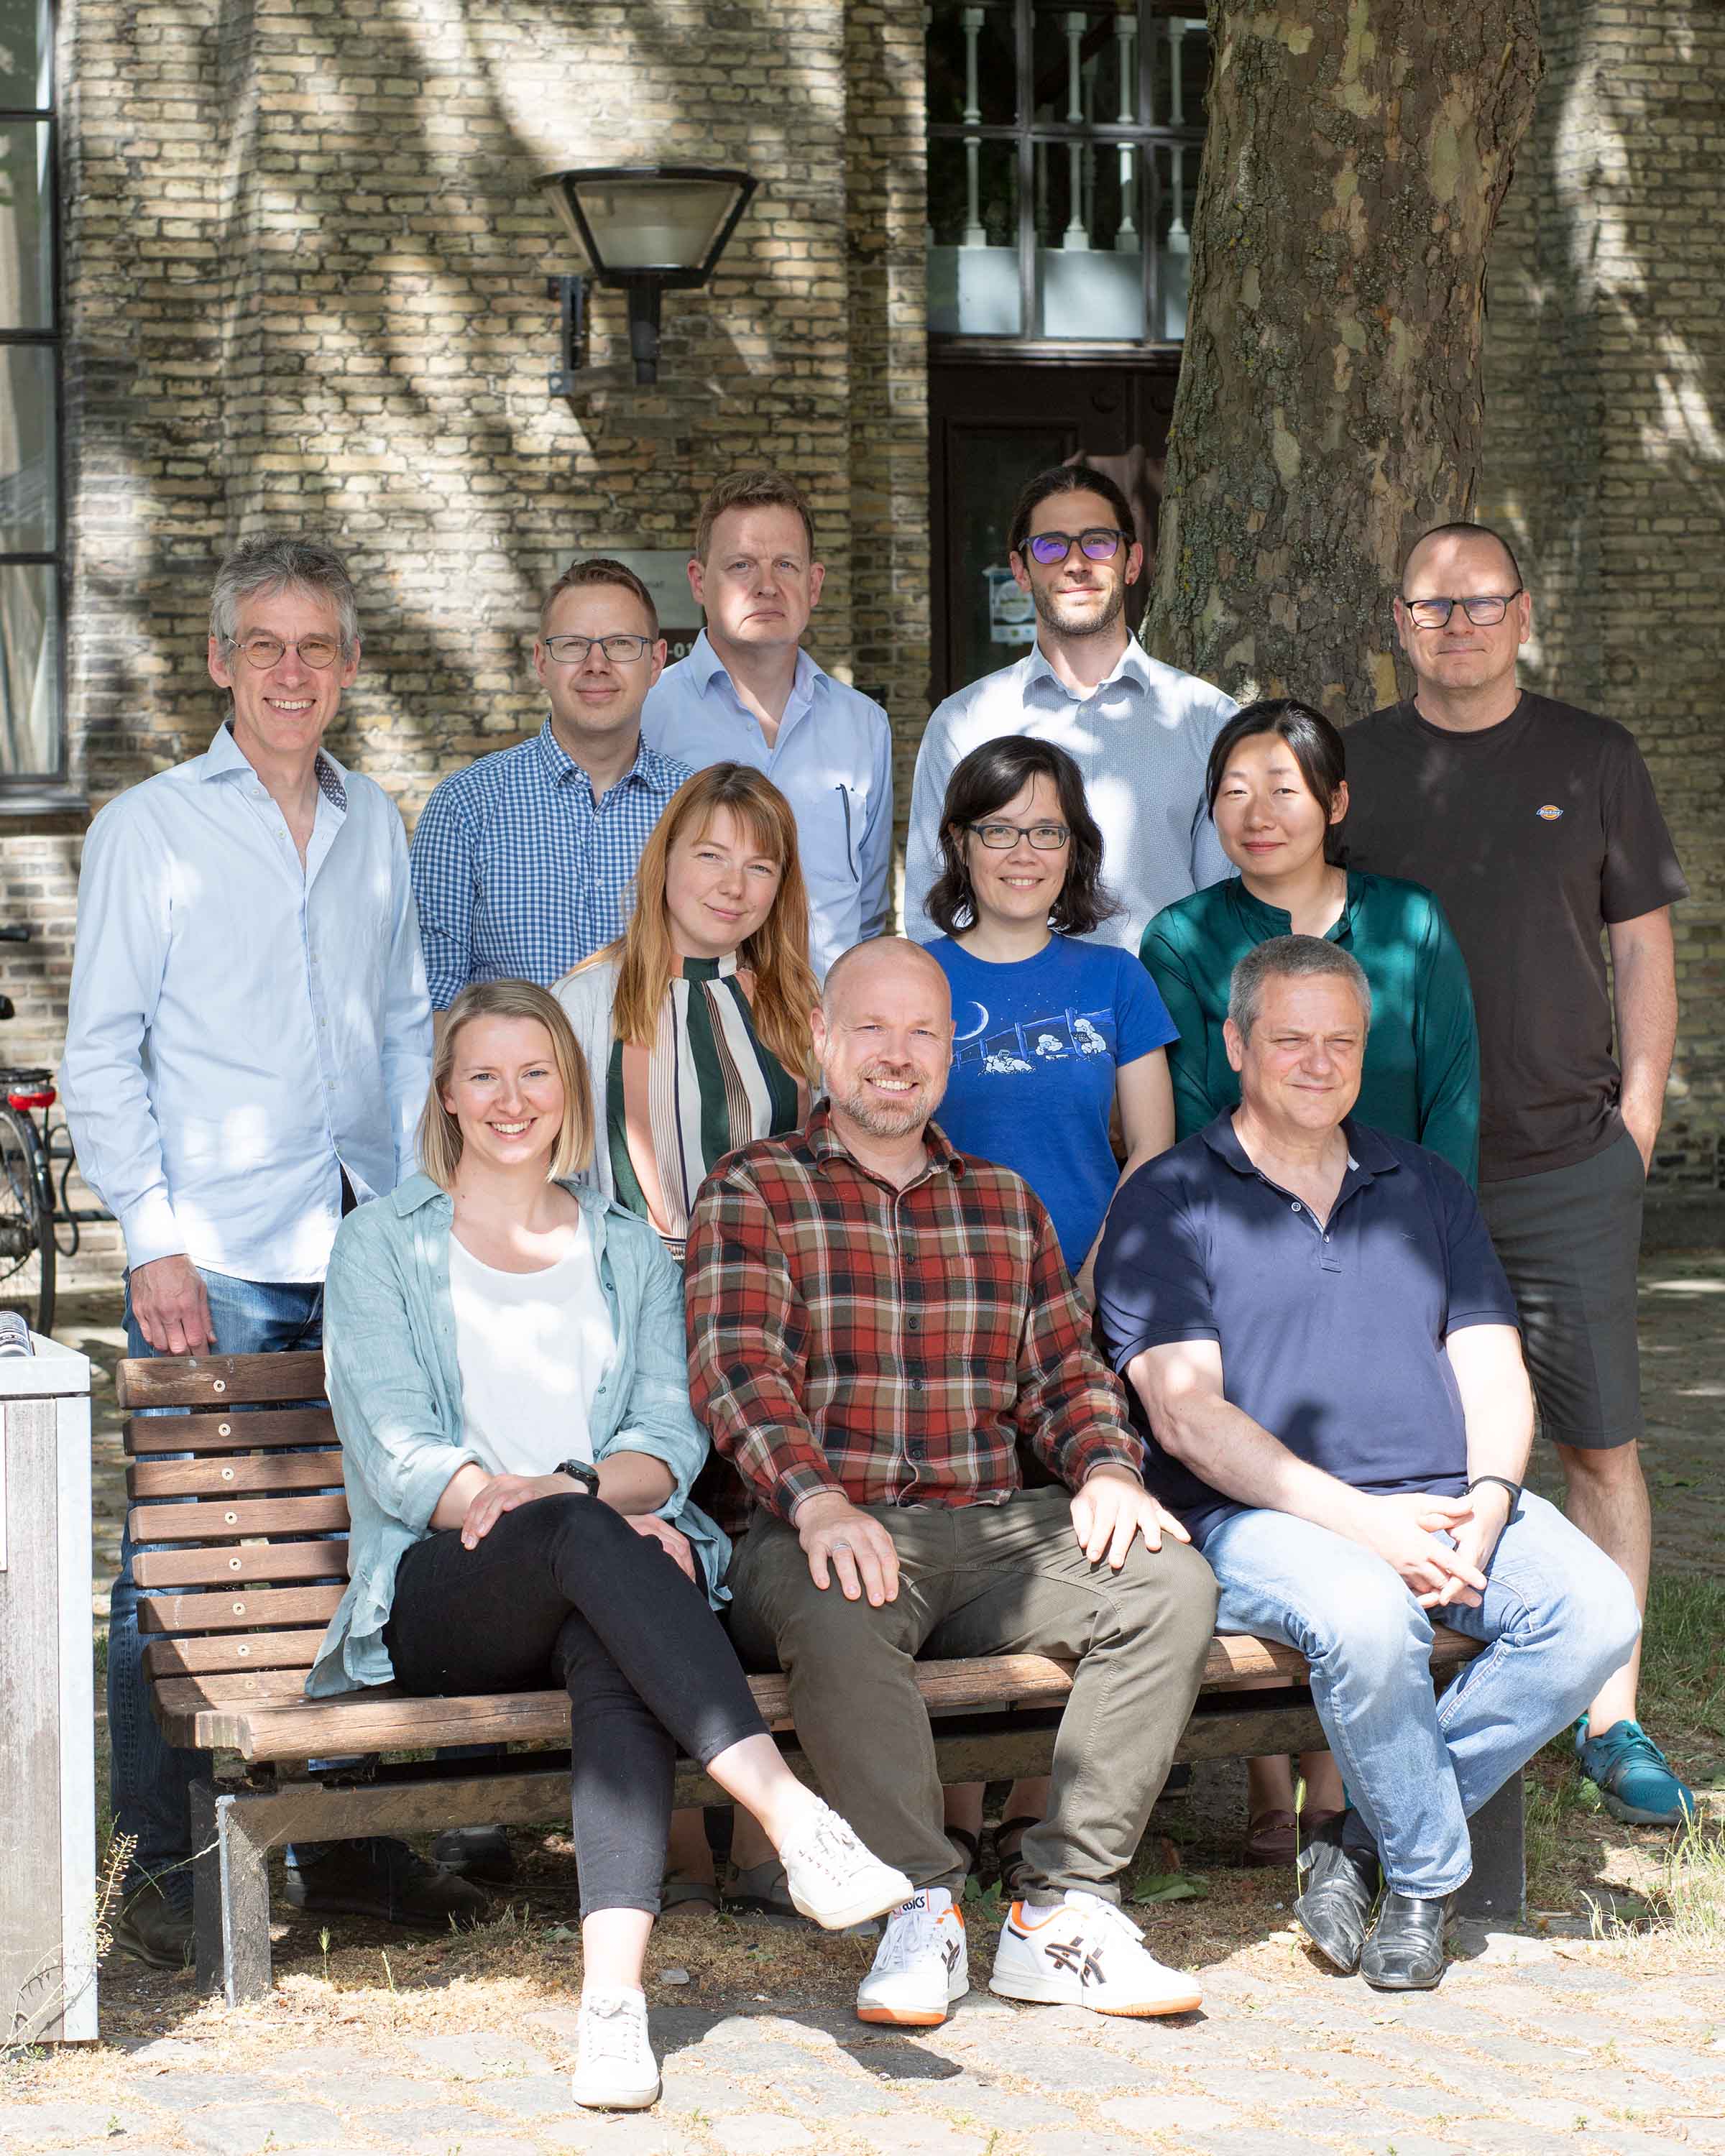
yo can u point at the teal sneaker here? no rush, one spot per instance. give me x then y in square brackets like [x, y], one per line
[1635, 1777]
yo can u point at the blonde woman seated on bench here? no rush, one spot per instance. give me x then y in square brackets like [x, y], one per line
[505, 1363]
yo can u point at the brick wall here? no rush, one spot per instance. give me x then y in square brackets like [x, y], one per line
[306, 284]
[1605, 446]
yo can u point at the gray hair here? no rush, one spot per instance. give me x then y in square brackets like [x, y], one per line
[1294, 958]
[270, 563]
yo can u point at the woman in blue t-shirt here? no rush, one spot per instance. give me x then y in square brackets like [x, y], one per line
[1051, 1038]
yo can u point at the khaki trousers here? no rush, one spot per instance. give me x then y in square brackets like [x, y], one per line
[984, 1579]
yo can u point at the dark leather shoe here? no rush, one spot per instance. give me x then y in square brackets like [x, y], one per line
[479, 1853]
[1405, 1952]
[384, 1879]
[151, 1928]
[1337, 1887]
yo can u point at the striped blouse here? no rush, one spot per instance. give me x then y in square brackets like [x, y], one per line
[707, 1085]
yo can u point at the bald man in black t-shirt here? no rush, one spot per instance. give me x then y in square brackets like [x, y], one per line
[1536, 825]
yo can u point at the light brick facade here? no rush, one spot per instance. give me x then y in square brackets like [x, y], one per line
[305, 284]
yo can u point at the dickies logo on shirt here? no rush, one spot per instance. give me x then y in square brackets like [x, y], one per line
[1549, 813]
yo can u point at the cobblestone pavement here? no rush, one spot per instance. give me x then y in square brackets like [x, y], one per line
[1534, 2043]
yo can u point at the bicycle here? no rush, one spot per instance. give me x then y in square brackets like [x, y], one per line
[33, 1214]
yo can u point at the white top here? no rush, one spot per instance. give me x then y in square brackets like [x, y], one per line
[242, 1028]
[531, 1349]
[1142, 739]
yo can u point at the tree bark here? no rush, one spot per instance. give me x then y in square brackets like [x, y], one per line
[1329, 406]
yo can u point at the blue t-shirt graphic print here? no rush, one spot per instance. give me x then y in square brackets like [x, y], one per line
[1036, 1047]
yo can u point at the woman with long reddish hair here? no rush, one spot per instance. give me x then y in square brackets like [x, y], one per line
[694, 1024]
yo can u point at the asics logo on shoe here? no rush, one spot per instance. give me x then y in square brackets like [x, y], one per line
[1086, 1963]
[955, 1953]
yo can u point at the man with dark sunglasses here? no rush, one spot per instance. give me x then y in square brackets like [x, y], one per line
[1139, 731]
[1538, 827]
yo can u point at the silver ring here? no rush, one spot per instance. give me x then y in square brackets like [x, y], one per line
[840, 1545]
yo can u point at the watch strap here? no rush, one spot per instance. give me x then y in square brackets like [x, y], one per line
[1503, 1482]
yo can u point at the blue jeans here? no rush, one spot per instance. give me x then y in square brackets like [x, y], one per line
[1558, 1618]
[151, 1779]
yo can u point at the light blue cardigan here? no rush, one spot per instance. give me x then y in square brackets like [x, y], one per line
[395, 1386]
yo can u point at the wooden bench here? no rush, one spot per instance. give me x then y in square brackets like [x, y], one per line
[244, 1559]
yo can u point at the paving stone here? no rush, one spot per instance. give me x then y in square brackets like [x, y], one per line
[844, 2094]
[478, 2057]
[1168, 2114]
[986, 2103]
[924, 2138]
[22, 2123]
[759, 2133]
[533, 2096]
[187, 2092]
[1413, 2144]
[1574, 1976]
[1507, 2050]
[371, 2092]
[1073, 2066]
[468, 2143]
[107, 2147]
[1246, 2084]
[1351, 2070]
[1087, 2143]
[1255, 2143]
[239, 2129]
[425, 2122]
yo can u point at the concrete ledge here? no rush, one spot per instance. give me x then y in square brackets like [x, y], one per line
[1683, 1220]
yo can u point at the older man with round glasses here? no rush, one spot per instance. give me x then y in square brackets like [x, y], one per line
[522, 863]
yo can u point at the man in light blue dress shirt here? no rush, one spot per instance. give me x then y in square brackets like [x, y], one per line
[247, 1051]
[1140, 732]
[748, 693]
[523, 864]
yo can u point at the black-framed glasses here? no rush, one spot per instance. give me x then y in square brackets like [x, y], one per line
[1484, 609]
[620, 650]
[264, 652]
[1100, 543]
[1046, 838]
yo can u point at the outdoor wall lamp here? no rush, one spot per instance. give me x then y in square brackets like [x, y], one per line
[642, 229]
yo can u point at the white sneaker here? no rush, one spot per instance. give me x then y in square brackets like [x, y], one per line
[832, 1879]
[1085, 1953]
[615, 2069]
[922, 1965]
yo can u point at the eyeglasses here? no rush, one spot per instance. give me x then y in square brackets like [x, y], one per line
[1100, 543]
[264, 652]
[620, 650]
[1484, 611]
[1046, 838]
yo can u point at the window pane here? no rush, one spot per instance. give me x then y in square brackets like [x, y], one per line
[26, 53]
[25, 229]
[1179, 69]
[960, 39]
[27, 449]
[1090, 250]
[1085, 63]
[29, 672]
[973, 222]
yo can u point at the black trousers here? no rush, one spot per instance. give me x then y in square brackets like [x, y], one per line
[564, 1591]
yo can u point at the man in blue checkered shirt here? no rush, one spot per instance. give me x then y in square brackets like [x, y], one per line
[522, 863]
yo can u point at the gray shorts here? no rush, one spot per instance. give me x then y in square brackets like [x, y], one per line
[1569, 1240]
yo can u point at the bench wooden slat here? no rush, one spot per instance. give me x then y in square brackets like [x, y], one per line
[244, 1473]
[232, 1651]
[223, 1433]
[230, 1612]
[217, 1381]
[231, 1568]
[200, 1522]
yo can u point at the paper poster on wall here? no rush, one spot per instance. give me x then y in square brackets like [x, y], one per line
[1012, 617]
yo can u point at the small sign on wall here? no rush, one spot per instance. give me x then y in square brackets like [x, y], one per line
[664, 570]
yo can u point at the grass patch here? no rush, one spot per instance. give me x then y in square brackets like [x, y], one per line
[1683, 1662]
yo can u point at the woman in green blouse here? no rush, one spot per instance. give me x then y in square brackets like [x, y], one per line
[1277, 787]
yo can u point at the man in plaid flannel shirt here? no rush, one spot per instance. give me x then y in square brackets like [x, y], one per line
[876, 1322]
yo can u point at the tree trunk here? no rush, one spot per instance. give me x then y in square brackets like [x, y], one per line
[1329, 406]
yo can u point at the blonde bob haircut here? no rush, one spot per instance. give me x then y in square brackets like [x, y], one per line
[440, 1134]
[776, 954]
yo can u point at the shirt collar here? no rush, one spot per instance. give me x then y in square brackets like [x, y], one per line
[706, 667]
[1367, 1153]
[418, 1191]
[1277, 919]
[649, 768]
[825, 1144]
[224, 756]
[1131, 671]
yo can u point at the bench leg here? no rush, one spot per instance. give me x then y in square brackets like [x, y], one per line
[1498, 1892]
[230, 1898]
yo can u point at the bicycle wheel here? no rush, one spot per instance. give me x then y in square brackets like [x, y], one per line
[27, 1252]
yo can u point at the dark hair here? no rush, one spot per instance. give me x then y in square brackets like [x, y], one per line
[1316, 744]
[600, 569]
[981, 785]
[1462, 530]
[1068, 479]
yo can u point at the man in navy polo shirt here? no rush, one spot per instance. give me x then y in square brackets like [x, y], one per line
[1322, 1348]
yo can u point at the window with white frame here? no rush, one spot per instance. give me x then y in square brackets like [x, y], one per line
[32, 747]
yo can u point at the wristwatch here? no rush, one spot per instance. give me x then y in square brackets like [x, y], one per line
[582, 1471]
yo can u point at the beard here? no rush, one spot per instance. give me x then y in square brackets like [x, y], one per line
[880, 1119]
[1052, 615]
